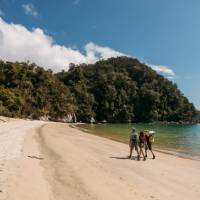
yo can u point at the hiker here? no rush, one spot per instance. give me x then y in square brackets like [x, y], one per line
[142, 144]
[133, 143]
[149, 135]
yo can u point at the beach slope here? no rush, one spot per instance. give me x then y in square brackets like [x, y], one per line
[54, 161]
[84, 166]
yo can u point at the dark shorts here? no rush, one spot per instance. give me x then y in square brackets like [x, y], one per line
[134, 145]
[141, 145]
[148, 146]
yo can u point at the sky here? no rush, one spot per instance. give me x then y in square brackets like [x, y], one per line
[54, 33]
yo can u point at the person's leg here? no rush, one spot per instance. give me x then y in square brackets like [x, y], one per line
[150, 148]
[136, 149]
[141, 151]
[146, 148]
[131, 151]
[153, 154]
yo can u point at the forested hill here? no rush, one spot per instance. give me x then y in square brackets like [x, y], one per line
[27, 90]
[123, 89]
[116, 90]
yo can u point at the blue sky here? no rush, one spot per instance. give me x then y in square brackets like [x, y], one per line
[163, 33]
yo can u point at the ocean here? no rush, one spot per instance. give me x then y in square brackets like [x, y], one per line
[181, 140]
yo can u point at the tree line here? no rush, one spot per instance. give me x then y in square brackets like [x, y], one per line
[114, 90]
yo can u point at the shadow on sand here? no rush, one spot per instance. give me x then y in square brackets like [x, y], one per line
[124, 158]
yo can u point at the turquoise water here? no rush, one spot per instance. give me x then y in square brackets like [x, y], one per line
[183, 140]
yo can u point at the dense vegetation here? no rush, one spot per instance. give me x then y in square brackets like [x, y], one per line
[198, 115]
[116, 90]
[123, 89]
[27, 90]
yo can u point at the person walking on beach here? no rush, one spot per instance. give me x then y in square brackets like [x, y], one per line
[142, 143]
[133, 143]
[149, 135]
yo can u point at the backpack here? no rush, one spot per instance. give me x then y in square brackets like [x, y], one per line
[133, 138]
[151, 138]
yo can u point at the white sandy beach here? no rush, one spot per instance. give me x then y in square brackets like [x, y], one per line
[43, 160]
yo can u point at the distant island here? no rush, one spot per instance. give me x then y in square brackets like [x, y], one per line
[114, 90]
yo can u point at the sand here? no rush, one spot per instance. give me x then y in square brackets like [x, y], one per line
[58, 162]
[13, 159]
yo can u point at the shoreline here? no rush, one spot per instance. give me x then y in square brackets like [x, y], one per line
[59, 161]
[85, 166]
[156, 149]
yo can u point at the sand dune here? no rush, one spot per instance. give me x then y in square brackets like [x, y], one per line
[60, 163]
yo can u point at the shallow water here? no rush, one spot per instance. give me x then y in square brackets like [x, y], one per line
[183, 140]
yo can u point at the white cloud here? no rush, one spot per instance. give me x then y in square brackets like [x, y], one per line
[30, 9]
[95, 52]
[17, 43]
[169, 73]
[20, 44]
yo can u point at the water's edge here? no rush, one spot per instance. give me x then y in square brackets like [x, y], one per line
[157, 149]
